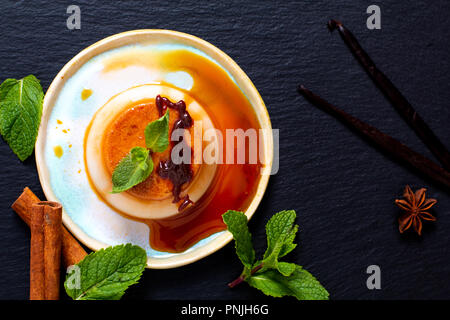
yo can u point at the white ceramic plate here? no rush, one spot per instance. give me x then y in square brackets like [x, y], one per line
[66, 117]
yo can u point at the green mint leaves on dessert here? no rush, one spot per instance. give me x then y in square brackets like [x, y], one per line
[134, 168]
[273, 277]
[157, 134]
[137, 165]
[20, 114]
[106, 274]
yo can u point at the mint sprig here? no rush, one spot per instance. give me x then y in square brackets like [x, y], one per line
[134, 168]
[137, 165]
[106, 274]
[273, 277]
[20, 114]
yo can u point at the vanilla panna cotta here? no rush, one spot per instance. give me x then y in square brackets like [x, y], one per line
[108, 140]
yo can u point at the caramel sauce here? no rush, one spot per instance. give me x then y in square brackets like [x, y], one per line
[58, 151]
[234, 185]
[85, 94]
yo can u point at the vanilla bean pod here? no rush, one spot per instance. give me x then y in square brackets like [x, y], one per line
[404, 108]
[382, 140]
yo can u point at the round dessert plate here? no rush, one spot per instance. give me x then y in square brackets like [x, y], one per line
[76, 94]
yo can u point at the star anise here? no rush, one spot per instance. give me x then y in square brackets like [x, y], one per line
[415, 206]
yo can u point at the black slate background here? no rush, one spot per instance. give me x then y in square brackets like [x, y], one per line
[342, 188]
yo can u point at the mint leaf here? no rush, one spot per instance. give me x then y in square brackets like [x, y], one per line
[289, 244]
[157, 134]
[280, 230]
[20, 114]
[300, 284]
[107, 273]
[286, 268]
[236, 222]
[134, 168]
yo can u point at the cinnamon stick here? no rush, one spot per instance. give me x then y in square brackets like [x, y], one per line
[37, 269]
[404, 108]
[72, 251]
[51, 218]
[387, 143]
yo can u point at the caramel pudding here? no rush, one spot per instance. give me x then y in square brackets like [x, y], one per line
[119, 126]
[126, 132]
[213, 99]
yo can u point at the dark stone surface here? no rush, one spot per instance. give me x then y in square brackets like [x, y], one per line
[342, 188]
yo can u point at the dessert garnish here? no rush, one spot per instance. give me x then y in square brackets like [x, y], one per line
[415, 206]
[134, 168]
[20, 114]
[273, 277]
[157, 134]
[137, 165]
